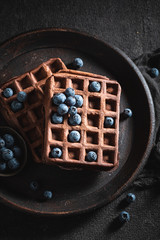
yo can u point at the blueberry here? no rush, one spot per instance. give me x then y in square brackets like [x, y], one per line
[127, 112]
[16, 106]
[2, 166]
[47, 194]
[70, 92]
[8, 92]
[74, 119]
[95, 86]
[2, 150]
[57, 119]
[22, 96]
[7, 154]
[130, 197]
[2, 143]
[109, 121]
[9, 140]
[74, 136]
[72, 111]
[34, 185]
[91, 156]
[62, 109]
[79, 100]
[56, 153]
[154, 72]
[59, 98]
[17, 151]
[124, 217]
[78, 63]
[13, 164]
[70, 101]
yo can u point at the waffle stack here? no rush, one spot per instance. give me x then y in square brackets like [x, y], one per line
[94, 136]
[41, 84]
[29, 121]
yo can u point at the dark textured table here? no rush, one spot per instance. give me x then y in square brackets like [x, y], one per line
[133, 26]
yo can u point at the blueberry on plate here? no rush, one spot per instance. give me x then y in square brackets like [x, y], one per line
[130, 197]
[124, 217]
[56, 118]
[17, 151]
[47, 195]
[2, 143]
[91, 156]
[22, 96]
[109, 121]
[72, 110]
[74, 136]
[13, 164]
[70, 92]
[154, 72]
[9, 140]
[8, 92]
[3, 166]
[70, 101]
[78, 63]
[56, 152]
[127, 112]
[59, 98]
[75, 120]
[95, 86]
[79, 100]
[34, 185]
[16, 106]
[62, 109]
[7, 154]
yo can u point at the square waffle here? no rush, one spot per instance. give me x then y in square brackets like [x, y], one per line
[94, 136]
[30, 121]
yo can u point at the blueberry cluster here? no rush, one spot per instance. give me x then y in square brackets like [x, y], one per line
[67, 102]
[9, 153]
[17, 104]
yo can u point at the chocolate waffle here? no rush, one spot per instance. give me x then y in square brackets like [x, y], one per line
[94, 136]
[30, 121]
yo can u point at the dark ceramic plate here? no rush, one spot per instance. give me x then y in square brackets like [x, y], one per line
[79, 191]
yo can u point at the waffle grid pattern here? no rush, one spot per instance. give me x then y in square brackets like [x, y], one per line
[29, 121]
[94, 136]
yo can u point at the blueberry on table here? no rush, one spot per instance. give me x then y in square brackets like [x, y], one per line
[34, 185]
[16, 106]
[13, 164]
[22, 96]
[9, 140]
[78, 63]
[95, 86]
[70, 92]
[62, 109]
[57, 119]
[74, 136]
[130, 197]
[72, 110]
[70, 101]
[154, 72]
[7, 154]
[2, 143]
[17, 151]
[3, 166]
[59, 98]
[47, 195]
[124, 217]
[79, 100]
[75, 119]
[8, 92]
[109, 121]
[127, 112]
[56, 153]
[91, 156]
